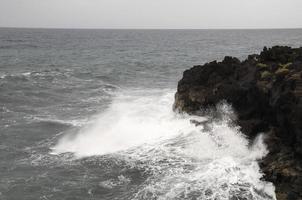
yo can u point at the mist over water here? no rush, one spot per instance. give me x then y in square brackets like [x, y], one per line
[87, 114]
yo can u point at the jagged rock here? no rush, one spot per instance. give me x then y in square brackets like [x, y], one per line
[265, 91]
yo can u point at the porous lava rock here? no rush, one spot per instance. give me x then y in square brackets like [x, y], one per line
[265, 91]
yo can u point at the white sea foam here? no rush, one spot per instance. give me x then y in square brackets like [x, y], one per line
[130, 121]
[211, 164]
[184, 160]
[2, 75]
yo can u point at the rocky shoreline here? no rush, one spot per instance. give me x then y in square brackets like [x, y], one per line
[265, 92]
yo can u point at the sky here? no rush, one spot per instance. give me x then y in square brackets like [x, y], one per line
[151, 14]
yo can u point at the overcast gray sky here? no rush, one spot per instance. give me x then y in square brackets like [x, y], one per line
[151, 13]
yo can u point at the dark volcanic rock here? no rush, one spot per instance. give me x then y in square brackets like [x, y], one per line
[265, 91]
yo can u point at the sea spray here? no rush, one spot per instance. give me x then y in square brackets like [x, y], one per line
[182, 160]
[132, 119]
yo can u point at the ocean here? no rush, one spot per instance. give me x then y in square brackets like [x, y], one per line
[87, 115]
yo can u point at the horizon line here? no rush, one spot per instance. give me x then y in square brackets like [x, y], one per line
[108, 28]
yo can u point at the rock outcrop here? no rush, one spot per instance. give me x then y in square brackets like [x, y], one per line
[265, 91]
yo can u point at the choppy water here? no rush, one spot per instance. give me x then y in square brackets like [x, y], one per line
[87, 114]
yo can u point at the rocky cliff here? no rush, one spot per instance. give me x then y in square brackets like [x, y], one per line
[265, 92]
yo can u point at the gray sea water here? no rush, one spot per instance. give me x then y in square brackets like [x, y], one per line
[87, 114]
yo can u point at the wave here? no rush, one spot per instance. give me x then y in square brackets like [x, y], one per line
[26, 76]
[18, 46]
[15, 40]
[182, 160]
[71, 122]
[130, 121]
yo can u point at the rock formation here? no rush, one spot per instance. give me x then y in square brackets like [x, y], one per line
[265, 92]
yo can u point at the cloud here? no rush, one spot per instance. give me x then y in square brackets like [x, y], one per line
[151, 13]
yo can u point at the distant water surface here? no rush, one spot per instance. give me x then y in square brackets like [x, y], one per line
[86, 114]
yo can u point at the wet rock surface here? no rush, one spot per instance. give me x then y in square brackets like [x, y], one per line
[265, 90]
